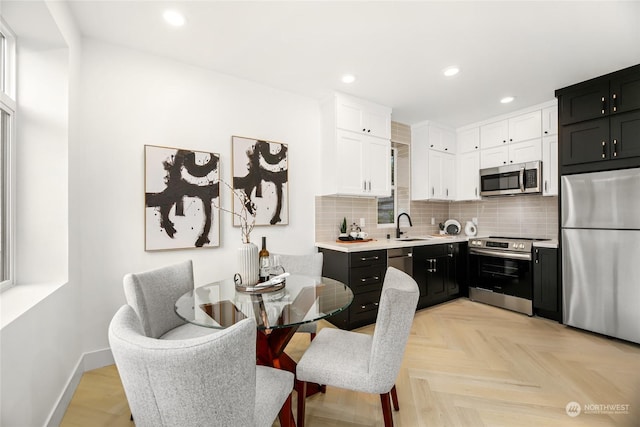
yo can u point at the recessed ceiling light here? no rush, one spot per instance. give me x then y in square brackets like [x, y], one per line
[348, 78]
[507, 99]
[173, 18]
[451, 71]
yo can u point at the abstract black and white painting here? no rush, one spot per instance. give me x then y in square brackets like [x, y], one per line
[181, 198]
[260, 170]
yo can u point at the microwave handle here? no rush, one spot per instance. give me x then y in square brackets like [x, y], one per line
[522, 179]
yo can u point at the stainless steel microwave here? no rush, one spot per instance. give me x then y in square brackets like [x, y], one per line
[520, 178]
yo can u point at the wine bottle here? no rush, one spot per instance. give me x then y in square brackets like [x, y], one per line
[264, 261]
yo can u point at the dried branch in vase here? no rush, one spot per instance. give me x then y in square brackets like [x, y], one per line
[247, 214]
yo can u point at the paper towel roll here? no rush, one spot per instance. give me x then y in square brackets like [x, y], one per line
[470, 229]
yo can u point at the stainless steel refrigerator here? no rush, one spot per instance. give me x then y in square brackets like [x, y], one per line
[601, 252]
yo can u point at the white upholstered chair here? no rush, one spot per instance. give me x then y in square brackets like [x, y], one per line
[310, 265]
[207, 380]
[362, 362]
[153, 294]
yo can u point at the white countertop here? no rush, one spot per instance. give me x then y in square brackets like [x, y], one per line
[391, 243]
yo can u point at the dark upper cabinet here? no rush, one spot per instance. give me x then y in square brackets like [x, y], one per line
[600, 123]
[583, 103]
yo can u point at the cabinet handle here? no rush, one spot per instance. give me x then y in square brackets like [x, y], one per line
[447, 192]
[476, 191]
[537, 256]
[604, 105]
[604, 150]
[365, 279]
[363, 307]
[546, 187]
[615, 102]
[433, 191]
[371, 258]
[376, 304]
[615, 148]
[368, 130]
[364, 130]
[364, 185]
[476, 147]
[369, 185]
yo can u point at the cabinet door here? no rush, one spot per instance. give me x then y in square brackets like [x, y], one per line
[550, 121]
[376, 121]
[584, 102]
[435, 175]
[625, 92]
[448, 176]
[350, 164]
[585, 142]
[468, 176]
[494, 134]
[550, 165]
[441, 139]
[348, 115]
[525, 127]
[494, 157]
[468, 140]
[528, 151]
[437, 288]
[378, 167]
[545, 279]
[625, 135]
[420, 189]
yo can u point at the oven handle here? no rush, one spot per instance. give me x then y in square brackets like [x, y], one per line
[500, 254]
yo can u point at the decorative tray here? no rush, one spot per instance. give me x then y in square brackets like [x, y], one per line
[354, 241]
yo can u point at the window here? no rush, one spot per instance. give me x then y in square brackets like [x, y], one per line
[388, 206]
[7, 109]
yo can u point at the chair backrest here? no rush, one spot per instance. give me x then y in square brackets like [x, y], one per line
[153, 294]
[310, 265]
[209, 380]
[395, 316]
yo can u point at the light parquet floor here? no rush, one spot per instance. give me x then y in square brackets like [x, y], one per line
[466, 364]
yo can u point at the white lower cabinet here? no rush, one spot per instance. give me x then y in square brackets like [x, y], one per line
[363, 166]
[468, 176]
[550, 165]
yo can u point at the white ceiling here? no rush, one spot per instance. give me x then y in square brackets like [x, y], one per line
[397, 50]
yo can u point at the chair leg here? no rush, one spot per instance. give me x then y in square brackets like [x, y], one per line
[386, 410]
[302, 395]
[286, 414]
[394, 398]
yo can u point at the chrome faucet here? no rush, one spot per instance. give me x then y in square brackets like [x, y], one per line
[398, 232]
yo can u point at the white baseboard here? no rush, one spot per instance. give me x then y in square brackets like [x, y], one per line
[87, 362]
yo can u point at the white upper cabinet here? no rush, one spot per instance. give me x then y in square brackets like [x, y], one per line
[433, 165]
[468, 177]
[516, 129]
[525, 127]
[519, 152]
[494, 134]
[442, 139]
[468, 140]
[550, 121]
[360, 116]
[356, 147]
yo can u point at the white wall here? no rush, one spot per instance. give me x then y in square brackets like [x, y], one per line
[130, 99]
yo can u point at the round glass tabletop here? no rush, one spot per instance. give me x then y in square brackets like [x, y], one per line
[303, 299]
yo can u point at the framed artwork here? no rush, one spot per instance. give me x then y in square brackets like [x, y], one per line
[261, 171]
[182, 193]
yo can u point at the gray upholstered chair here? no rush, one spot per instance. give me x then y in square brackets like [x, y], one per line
[362, 362]
[311, 265]
[153, 294]
[208, 380]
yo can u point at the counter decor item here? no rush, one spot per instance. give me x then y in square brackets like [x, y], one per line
[248, 261]
[451, 226]
[343, 230]
[470, 229]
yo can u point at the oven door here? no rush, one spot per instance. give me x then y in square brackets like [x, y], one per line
[501, 272]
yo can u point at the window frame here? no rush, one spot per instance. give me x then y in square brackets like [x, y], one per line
[394, 191]
[8, 159]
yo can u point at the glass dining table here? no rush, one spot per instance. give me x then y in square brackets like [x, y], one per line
[278, 313]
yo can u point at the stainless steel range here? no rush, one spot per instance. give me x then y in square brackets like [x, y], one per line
[500, 272]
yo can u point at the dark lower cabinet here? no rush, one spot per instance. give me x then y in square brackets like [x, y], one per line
[440, 272]
[546, 292]
[364, 273]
